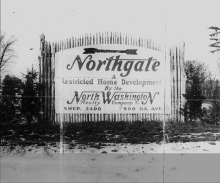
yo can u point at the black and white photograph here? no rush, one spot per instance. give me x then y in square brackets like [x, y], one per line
[110, 91]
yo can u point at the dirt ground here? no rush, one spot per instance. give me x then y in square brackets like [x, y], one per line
[181, 162]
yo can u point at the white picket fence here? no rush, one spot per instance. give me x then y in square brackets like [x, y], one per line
[75, 118]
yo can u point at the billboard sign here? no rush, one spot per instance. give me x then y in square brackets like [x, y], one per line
[109, 79]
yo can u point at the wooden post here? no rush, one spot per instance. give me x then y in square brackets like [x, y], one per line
[45, 84]
[42, 49]
[177, 84]
[40, 118]
[41, 73]
[49, 82]
[61, 135]
[53, 83]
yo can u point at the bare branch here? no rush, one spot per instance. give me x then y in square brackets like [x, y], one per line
[7, 51]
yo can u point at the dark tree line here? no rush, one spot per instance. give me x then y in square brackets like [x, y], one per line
[10, 101]
[197, 75]
[212, 115]
[20, 100]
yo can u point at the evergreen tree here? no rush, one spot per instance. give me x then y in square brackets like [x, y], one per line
[30, 97]
[10, 99]
[196, 74]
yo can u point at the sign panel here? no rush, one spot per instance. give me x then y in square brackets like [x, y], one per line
[109, 79]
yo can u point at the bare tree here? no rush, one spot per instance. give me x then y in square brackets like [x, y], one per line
[194, 68]
[7, 52]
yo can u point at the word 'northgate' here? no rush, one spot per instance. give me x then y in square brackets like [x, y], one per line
[117, 64]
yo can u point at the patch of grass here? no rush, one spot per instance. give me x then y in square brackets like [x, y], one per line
[105, 132]
[186, 132]
[26, 135]
[114, 132]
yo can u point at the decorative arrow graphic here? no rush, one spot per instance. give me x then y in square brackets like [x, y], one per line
[95, 50]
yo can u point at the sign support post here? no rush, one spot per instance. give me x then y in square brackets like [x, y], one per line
[61, 136]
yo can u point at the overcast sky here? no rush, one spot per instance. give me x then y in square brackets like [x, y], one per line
[61, 19]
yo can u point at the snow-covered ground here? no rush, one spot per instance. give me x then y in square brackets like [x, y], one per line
[171, 162]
